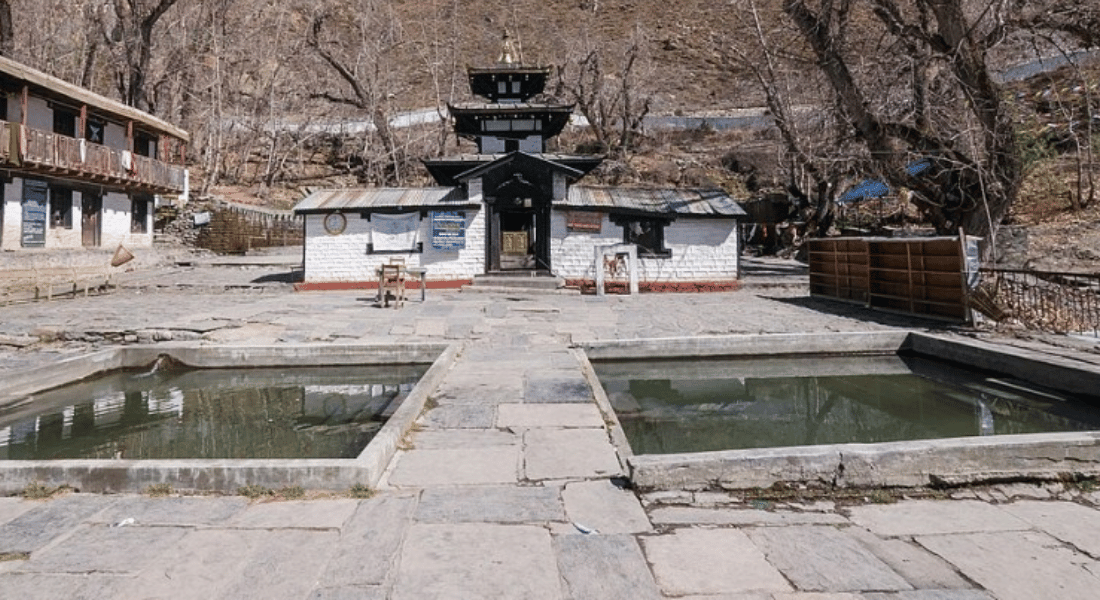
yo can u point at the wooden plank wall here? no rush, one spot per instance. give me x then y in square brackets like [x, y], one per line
[919, 276]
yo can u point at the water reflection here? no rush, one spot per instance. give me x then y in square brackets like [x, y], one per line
[241, 413]
[672, 407]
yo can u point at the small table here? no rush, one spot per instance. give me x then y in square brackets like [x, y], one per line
[422, 273]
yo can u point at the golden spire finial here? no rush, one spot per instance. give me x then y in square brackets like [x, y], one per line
[509, 54]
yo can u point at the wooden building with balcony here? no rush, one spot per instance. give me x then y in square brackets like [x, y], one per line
[78, 169]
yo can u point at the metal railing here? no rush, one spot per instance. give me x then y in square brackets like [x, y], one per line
[1041, 300]
[52, 152]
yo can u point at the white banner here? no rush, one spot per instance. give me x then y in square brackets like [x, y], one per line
[394, 233]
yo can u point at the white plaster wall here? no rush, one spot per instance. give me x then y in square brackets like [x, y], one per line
[13, 215]
[343, 258]
[571, 252]
[115, 221]
[702, 250]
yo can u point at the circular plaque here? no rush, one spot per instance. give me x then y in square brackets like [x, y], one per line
[335, 223]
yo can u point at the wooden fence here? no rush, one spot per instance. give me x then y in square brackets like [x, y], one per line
[919, 276]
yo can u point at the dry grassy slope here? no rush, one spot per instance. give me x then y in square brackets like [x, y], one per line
[683, 71]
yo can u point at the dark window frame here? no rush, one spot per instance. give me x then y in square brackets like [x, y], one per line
[139, 205]
[89, 128]
[61, 209]
[650, 240]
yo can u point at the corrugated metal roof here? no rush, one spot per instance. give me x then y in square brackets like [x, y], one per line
[373, 198]
[679, 201]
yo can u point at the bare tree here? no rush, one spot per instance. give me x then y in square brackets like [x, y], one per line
[7, 34]
[127, 27]
[612, 100]
[356, 44]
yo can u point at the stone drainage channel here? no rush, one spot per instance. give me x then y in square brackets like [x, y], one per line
[522, 412]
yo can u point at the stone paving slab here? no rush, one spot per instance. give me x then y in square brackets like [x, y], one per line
[457, 466]
[824, 559]
[503, 562]
[350, 592]
[607, 567]
[208, 560]
[568, 453]
[101, 549]
[688, 515]
[1074, 524]
[178, 511]
[52, 518]
[477, 395]
[48, 586]
[549, 415]
[286, 565]
[932, 595]
[297, 514]
[491, 504]
[461, 416]
[463, 438]
[11, 508]
[710, 562]
[369, 543]
[1018, 565]
[557, 390]
[929, 517]
[602, 506]
[431, 327]
[921, 568]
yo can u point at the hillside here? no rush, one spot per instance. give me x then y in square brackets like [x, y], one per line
[265, 108]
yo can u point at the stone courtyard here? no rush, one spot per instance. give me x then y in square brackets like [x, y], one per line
[509, 486]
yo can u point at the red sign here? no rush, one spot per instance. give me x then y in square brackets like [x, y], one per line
[579, 220]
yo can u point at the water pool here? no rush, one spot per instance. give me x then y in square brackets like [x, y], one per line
[682, 406]
[314, 412]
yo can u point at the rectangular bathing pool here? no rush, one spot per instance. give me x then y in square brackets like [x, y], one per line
[709, 404]
[257, 413]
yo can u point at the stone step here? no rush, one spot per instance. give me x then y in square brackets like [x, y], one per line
[527, 282]
[494, 289]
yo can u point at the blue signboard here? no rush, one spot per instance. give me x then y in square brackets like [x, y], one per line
[35, 209]
[449, 230]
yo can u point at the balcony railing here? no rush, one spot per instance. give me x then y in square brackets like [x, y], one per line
[49, 152]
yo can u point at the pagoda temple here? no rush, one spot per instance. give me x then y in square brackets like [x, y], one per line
[512, 208]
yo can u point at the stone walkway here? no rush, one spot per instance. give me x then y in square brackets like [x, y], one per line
[509, 486]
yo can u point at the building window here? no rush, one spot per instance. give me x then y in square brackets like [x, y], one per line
[139, 215]
[144, 145]
[94, 131]
[61, 208]
[64, 122]
[646, 233]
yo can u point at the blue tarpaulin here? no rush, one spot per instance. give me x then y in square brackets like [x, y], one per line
[871, 188]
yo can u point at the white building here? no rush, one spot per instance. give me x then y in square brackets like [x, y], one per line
[78, 169]
[687, 239]
[513, 209]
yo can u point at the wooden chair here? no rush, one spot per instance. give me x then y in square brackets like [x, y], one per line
[391, 280]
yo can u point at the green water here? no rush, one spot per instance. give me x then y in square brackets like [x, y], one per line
[678, 406]
[330, 412]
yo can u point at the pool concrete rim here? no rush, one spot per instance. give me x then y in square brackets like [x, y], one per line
[917, 463]
[227, 475]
